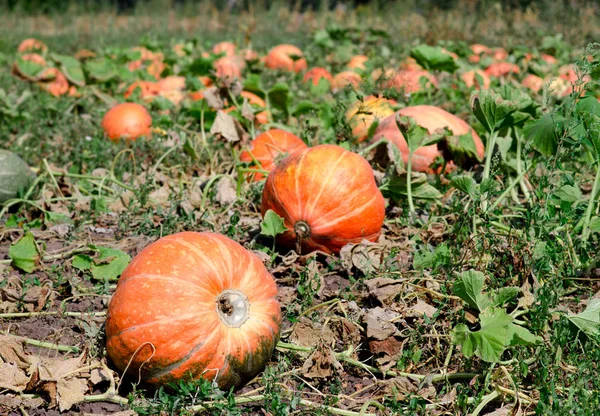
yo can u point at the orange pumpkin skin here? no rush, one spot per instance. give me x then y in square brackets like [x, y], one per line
[127, 121]
[148, 90]
[32, 45]
[431, 118]
[58, 84]
[229, 67]
[268, 147]
[502, 69]
[327, 197]
[315, 75]
[345, 78]
[410, 81]
[227, 48]
[470, 78]
[194, 305]
[362, 114]
[260, 118]
[533, 82]
[280, 58]
[357, 62]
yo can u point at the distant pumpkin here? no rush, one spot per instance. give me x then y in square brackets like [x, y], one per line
[286, 57]
[128, 121]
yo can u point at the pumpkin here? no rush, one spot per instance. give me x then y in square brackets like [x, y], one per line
[261, 117]
[409, 82]
[227, 48]
[148, 90]
[27, 74]
[502, 69]
[32, 45]
[315, 75]
[284, 56]
[470, 78]
[410, 64]
[363, 113]
[327, 197]
[229, 67]
[127, 121]
[533, 82]
[479, 49]
[431, 118]
[345, 78]
[270, 147]
[172, 83]
[194, 305]
[58, 84]
[357, 62]
[15, 175]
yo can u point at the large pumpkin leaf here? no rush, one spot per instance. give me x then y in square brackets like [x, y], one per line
[279, 96]
[469, 287]
[588, 321]
[417, 136]
[395, 187]
[544, 133]
[71, 67]
[29, 70]
[101, 70]
[15, 175]
[489, 342]
[434, 58]
[505, 107]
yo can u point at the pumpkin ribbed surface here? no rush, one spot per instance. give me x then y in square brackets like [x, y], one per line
[269, 147]
[127, 121]
[430, 118]
[194, 305]
[327, 197]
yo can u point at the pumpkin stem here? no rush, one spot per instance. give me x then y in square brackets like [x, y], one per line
[302, 231]
[233, 308]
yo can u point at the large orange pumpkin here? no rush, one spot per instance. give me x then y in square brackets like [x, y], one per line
[431, 118]
[194, 305]
[270, 147]
[280, 57]
[127, 121]
[327, 197]
[363, 113]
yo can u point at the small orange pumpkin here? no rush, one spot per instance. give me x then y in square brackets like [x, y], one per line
[431, 118]
[270, 147]
[470, 78]
[345, 78]
[127, 121]
[409, 82]
[228, 48]
[502, 69]
[194, 305]
[32, 45]
[315, 74]
[57, 85]
[229, 67]
[148, 90]
[327, 197]
[260, 118]
[280, 57]
[533, 82]
[357, 62]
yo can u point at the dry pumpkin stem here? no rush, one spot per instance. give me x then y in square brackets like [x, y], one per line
[46, 345]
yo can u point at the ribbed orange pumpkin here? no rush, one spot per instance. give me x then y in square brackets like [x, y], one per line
[533, 82]
[431, 118]
[127, 121]
[270, 147]
[409, 82]
[502, 69]
[363, 113]
[327, 197]
[194, 305]
[280, 58]
[345, 78]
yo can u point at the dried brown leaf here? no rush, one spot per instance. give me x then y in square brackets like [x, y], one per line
[321, 363]
[227, 127]
[379, 325]
[384, 289]
[226, 193]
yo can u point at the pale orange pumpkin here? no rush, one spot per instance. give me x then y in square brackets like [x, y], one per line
[261, 117]
[194, 305]
[269, 148]
[32, 45]
[345, 78]
[363, 113]
[280, 57]
[430, 118]
[315, 74]
[229, 67]
[470, 78]
[409, 82]
[228, 48]
[148, 90]
[533, 82]
[502, 69]
[327, 197]
[57, 85]
[357, 62]
[127, 121]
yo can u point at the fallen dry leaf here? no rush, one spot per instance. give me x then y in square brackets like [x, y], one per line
[378, 323]
[308, 333]
[226, 193]
[422, 308]
[321, 363]
[227, 127]
[384, 289]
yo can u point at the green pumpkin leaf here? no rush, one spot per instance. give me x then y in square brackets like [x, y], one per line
[272, 224]
[518, 335]
[415, 135]
[279, 96]
[462, 148]
[544, 133]
[395, 187]
[504, 294]
[469, 287]
[101, 70]
[466, 184]
[31, 71]
[110, 264]
[490, 341]
[505, 108]
[434, 58]
[24, 254]
[322, 87]
[588, 321]
[71, 67]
